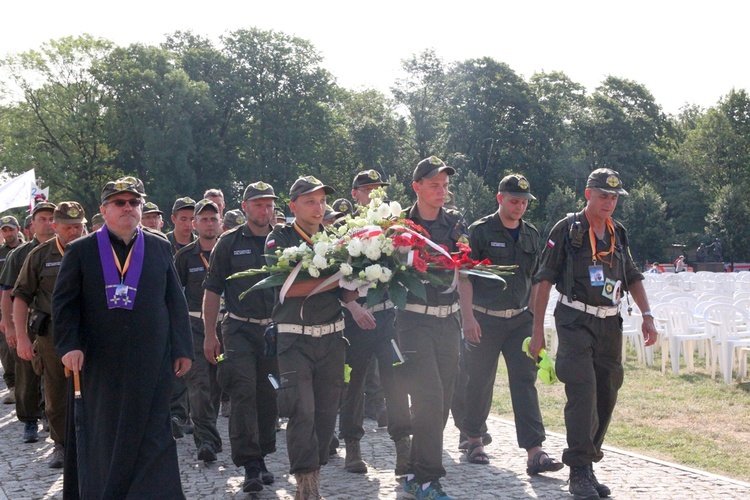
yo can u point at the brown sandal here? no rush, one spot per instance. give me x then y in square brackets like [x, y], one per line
[479, 457]
[542, 462]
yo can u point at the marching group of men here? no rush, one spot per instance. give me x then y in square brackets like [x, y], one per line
[157, 332]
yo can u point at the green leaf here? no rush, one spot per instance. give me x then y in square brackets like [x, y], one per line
[376, 295]
[397, 295]
[270, 282]
[412, 283]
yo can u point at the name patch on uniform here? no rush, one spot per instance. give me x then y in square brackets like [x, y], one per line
[52, 264]
[196, 269]
[243, 252]
[499, 244]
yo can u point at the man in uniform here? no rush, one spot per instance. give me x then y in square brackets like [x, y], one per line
[370, 331]
[11, 239]
[152, 216]
[120, 319]
[217, 196]
[28, 394]
[97, 221]
[191, 263]
[246, 371]
[28, 229]
[182, 218]
[496, 320]
[182, 235]
[232, 219]
[588, 261]
[429, 332]
[311, 349]
[34, 286]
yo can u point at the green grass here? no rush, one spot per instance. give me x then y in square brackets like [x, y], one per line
[689, 419]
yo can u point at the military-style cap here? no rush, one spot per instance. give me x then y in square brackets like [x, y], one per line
[343, 206]
[368, 178]
[280, 214]
[233, 218]
[97, 219]
[9, 221]
[45, 205]
[69, 212]
[259, 190]
[430, 167]
[516, 185]
[151, 208]
[184, 202]
[607, 180]
[204, 204]
[330, 213]
[123, 185]
[306, 185]
[27, 221]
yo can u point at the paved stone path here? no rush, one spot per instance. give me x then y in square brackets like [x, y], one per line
[24, 473]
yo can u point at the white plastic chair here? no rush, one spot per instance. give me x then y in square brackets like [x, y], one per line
[632, 334]
[676, 320]
[729, 328]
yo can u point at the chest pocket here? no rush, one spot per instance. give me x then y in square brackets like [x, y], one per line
[48, 276]
[500, 255]
[244, 261]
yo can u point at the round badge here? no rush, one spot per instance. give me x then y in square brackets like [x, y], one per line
[523, 183]
[73, 212]
[613, 181]
[434, 160]
[261, 186]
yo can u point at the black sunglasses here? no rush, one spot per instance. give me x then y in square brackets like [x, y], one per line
[133, 202]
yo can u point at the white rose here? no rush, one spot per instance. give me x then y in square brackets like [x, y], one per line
[313, 271]
[396, 209]
[346, 269]
[372, 250]
[386, 276]
[320, 262]
[384, 211]
[321, 248]
[355, 247]
[373, 272]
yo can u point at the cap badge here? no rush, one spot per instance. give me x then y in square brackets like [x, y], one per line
[372, 175]
[124, 186]
[312, 180]
[241, 219]
[260, 186]
[613, 181]
[5, 220]
[73, 212]
[523, 183]
[434, 160]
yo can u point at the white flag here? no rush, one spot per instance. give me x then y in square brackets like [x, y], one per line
[17, 192]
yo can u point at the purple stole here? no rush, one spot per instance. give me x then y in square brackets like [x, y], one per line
[120, 291]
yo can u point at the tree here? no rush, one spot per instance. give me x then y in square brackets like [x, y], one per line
[561, 201]
[285, 106]
[489, 119]
[728, 222]
[151, 106]
[625, 130]
[644, 214]
[422, 92]
[57, 125]
[473, 198]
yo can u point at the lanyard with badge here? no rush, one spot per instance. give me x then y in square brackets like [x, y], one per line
[610, 288]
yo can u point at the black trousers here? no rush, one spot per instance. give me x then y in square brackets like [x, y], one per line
[203, 392]
[364, 346]
[589, 363]
[244, 376]
[311, 372]
[503, 336]
[429, 375]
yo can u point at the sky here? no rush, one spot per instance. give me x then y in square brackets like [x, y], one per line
[682, 52]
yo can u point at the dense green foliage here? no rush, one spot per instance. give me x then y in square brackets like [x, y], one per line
[192, 113]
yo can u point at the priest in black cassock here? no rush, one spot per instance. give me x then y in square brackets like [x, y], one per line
[121, 320]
